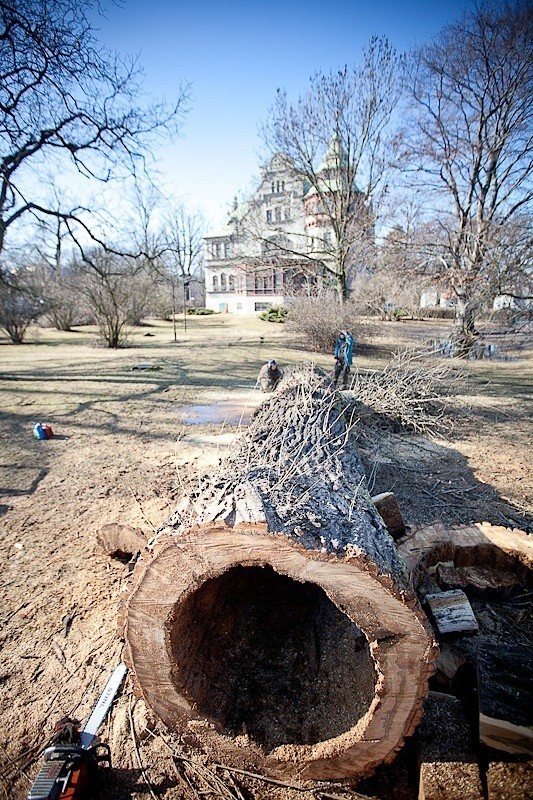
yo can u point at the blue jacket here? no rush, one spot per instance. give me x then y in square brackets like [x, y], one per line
[344, 349]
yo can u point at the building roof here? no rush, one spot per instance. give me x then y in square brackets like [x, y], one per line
[331, 174]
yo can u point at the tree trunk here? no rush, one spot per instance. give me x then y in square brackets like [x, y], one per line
[273, 623]
[464, 331]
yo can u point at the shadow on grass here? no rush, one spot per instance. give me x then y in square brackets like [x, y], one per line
[434, 482]
[8, 491]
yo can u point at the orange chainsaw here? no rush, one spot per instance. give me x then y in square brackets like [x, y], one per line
[71, 763]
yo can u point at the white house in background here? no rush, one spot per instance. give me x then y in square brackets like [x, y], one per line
[253, 263]
[435, 296]
[249, 265]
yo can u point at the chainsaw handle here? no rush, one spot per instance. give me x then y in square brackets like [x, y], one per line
[98, 754]
[62, 750]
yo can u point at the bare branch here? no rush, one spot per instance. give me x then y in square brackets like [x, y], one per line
[65, 100]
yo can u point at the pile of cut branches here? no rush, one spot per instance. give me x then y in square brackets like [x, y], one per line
[409, 394]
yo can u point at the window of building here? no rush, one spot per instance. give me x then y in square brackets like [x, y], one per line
[223, 282]
[261, 306]
[227, 249]
[215, 283]
[282, 186]
[269, 215]
[219, 250]
[287, 213]
[277, 186]
[273, 187]
[231, 283]
[278, 214]
[264, 284]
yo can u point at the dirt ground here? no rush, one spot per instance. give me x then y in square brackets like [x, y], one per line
[131, 427]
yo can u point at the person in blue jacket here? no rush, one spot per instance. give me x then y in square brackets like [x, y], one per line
[343, 358]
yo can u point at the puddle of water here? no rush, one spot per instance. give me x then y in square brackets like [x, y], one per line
[448, 348]
[225, 412]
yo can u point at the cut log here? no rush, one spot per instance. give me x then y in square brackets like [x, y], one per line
[505, 698]
[274, 622]
[121, 541]
[452, 612]
[449, 660]
[389, 510]
[480, 544]
[486, 581]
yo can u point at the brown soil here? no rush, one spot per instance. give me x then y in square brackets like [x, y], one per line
[123, 454]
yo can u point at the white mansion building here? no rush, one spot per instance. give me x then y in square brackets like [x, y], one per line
[266, 251]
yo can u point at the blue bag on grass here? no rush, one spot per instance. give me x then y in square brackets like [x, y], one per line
[38, 431]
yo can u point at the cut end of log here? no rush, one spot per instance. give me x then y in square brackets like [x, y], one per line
[303, 665]
[121, 541]
[389, 510]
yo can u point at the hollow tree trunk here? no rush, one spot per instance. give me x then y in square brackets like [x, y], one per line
[273, 622]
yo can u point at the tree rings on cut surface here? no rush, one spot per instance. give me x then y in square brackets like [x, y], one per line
[263, 653]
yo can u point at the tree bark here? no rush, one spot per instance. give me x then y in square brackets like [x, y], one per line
[464, 331]
[273, 623]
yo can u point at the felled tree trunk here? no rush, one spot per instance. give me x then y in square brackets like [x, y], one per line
[273, 625]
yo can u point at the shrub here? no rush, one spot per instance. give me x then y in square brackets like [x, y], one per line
[19, 307]
[200, 312]
[321, 318]
[274, 314]
[511, 318]
[437, 312]
[399, 313]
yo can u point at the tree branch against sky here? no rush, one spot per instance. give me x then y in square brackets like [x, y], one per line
[350, 114]
[67, 102]
[183, 253]
[472, 137]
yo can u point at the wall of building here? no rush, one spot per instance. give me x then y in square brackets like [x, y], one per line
[241, 304]
[271, 231]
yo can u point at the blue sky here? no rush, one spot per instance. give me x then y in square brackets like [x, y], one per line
[236, 54]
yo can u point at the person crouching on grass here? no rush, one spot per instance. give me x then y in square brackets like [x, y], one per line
[343, 358]
[269, 376]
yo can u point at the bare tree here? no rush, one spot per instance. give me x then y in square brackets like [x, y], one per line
[110, 287]
[66, 101]
[347, 115]
[20, 304]
[472, 88]
[58, 273]
[510, 261]
[183, 248]
[62, 295]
